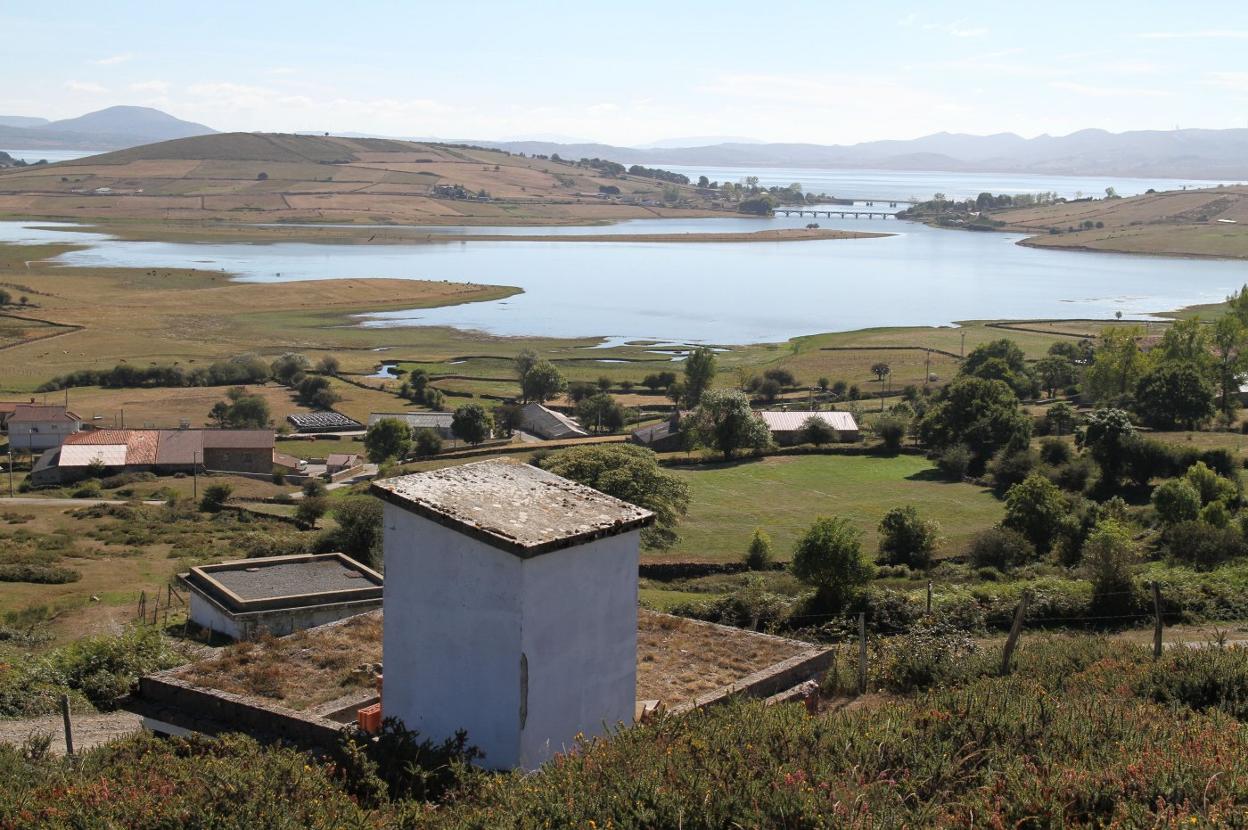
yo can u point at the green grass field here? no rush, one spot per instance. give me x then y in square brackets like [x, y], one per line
[785, 495]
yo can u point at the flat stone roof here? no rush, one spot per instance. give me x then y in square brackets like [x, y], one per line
[286, 578]
[518, 508]
[275, 582]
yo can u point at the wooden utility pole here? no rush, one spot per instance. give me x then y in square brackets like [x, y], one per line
[69, 727]
[862, 653]
[1156, 620]
[11, 494]
[1011, 642]
[929, 596]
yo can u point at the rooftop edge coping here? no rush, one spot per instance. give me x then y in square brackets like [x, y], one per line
[445, 496]
[200, 577]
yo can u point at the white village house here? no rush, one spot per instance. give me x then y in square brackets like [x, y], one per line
[36, 427]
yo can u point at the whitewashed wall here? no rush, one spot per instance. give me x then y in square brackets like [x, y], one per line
[461, 614]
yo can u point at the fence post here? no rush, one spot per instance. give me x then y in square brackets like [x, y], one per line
[862, 653]
[69, 727]
[929, 596]
[1007, 654]
[1156, 620]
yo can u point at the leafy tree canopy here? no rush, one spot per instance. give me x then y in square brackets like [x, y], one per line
[631, 474]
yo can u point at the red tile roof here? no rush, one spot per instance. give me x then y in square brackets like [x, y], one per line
[173, 446]
[99, 436]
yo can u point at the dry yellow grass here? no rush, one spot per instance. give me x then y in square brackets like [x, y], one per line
[243, 177]
[302, 670]
[1183, 223]
[677, 660]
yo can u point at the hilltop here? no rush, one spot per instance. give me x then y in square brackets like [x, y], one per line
[261, 177]
[112, 127]
[1207, 222]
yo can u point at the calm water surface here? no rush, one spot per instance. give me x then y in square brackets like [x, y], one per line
[909, 185]
[50, 156]
[713, 292]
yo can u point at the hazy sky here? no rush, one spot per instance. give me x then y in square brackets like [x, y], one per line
[630, 73]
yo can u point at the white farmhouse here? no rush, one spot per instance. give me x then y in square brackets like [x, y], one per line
[35, 428]
[511, 608]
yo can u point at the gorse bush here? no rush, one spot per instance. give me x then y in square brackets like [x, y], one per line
[1202, 679]
[1086, 733]
[97, 669]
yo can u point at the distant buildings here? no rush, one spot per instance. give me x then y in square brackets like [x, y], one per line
[340, 462]
[280, 594]
[158, 451]
[786, 426]
[327, 421]
[537, 420]
[36, 427]
[439, 422]
[661, 437]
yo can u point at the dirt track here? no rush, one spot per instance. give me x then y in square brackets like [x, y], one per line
[89, 730]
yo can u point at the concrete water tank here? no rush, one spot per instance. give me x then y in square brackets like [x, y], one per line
[510, 608]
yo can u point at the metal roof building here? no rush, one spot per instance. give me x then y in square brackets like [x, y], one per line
[439, 422]
[536, 419]
[785, 426]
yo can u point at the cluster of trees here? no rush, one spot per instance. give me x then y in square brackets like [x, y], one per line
[1189, 377]
[241, 410]
[540, 380]
[609, 168]
[630, 473]
[941, 204]
[415, 388]
[7, 299]
[771, 383]
[290, 369]
[315, 391]
[390, 439]
[243, 369]
[656, 173]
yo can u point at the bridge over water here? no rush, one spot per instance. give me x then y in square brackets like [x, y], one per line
[856, 213]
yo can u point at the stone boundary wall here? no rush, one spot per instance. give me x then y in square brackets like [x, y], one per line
[810, 663]
[166, 698]
[212, 711]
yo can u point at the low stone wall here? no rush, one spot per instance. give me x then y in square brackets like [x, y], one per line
[809, 664]
[165, 698]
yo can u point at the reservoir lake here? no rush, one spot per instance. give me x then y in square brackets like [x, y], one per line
[708, 292]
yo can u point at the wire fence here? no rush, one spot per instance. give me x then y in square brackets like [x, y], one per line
[1158, 617]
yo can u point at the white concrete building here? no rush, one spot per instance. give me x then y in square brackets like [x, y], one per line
[35, 428]
[279, 594]
[511, 608]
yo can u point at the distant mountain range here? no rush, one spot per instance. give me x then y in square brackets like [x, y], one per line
[1196, 154]
[1181, 154]
[114, 128]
